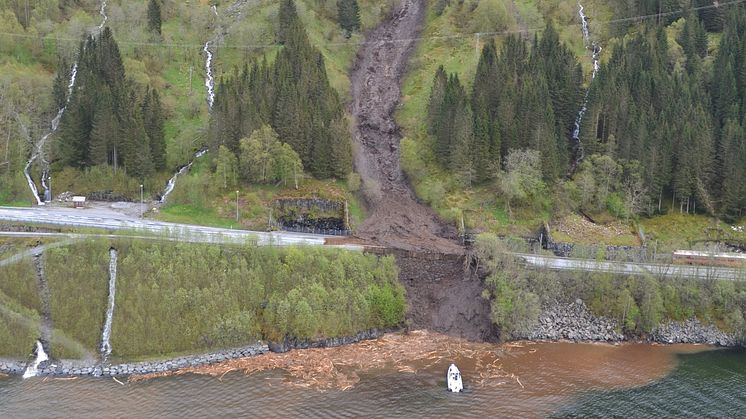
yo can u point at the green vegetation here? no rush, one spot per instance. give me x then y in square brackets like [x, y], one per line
[78, 278]
[40, 43]
[17, 335]
[348, 15]
[645, 154]
[19, 308]
[195, 200]
[305, 111]
[184, 298]
[637, 303]
[174, 298]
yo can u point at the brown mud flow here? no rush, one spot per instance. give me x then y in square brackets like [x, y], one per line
[396, 218]
[443, 294]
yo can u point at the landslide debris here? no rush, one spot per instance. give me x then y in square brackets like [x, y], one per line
[442, 292]
[396, 218]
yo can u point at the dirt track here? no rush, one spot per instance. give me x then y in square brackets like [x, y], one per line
[442, 293]
[396, 218]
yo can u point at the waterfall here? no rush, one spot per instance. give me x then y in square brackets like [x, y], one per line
[596, 54]
[209, 81]
[183, 169]
[38, 153]
[102, 12]
[210, 85]
[33, 369]
[40, 145]
[106, 335]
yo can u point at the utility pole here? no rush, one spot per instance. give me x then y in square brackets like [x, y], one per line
[142, 211]
[236, 206]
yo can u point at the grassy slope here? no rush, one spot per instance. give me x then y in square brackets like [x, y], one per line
[481, 206]
[253, 38]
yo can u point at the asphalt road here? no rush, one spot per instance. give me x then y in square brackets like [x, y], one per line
[659, 270]
[109, 219]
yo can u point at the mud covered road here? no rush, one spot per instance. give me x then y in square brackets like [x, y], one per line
[442, 292]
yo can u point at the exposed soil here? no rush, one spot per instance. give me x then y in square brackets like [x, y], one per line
[445, 296]
[396, 218]
[442, 292]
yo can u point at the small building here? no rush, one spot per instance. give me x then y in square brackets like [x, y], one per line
[78, 202]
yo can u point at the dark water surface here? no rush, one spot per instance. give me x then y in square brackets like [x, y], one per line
[540, 380]
[708, 384]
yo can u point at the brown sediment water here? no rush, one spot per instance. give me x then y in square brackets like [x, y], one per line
[520, 373]
[402, 376]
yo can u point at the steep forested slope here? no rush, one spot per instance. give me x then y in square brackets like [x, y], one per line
[662, 122]
[160, 58]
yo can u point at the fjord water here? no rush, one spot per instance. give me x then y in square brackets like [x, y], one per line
[540, 380]
[708, 384]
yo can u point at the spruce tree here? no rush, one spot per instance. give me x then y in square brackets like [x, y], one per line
[153, 124]
[348, 16]
[484, 105]
[154, 16]
[61, 81]
[288, 22]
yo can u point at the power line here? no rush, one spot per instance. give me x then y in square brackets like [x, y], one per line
[390, 41]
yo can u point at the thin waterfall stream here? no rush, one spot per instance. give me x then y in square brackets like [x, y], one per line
[44, 297]
[45, 327]
[209, 80]
[39, 147]
[210, 86]
[33, 369]
[596, 57]
[106, 334]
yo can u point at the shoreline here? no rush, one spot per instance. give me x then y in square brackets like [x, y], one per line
[137, 371]
[78, 368]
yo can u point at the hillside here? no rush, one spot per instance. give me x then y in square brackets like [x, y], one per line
[456, 154]
[624, 160]
[172, 63]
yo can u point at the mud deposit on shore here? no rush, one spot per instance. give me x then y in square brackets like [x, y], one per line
[445, 296]
[530, 378]
[442, 294]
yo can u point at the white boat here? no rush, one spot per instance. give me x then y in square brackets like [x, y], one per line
[453, 377]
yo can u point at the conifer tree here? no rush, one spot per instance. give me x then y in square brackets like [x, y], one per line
[154, 16]
[293, 96]
[153, 124]
[59, 88]
[485, 105]
[348, 16]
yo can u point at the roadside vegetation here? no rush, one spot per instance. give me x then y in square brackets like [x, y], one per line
[175, 298]
[19, 308]
[78, 278]
[637, 303]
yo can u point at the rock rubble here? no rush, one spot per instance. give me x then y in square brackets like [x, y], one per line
[691, 331]
[80, 368]
[573, 322]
